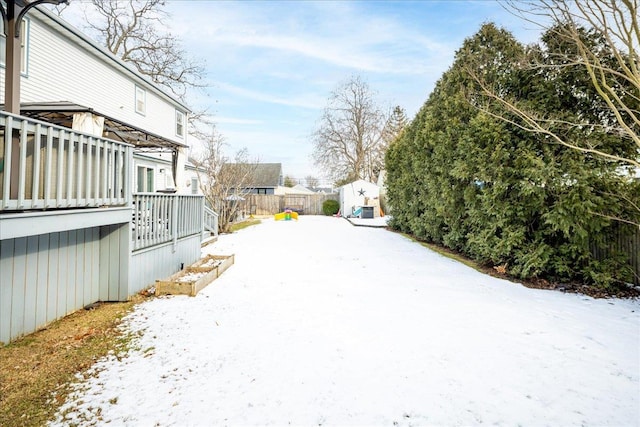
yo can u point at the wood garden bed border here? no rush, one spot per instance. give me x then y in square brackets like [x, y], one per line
[177, 285]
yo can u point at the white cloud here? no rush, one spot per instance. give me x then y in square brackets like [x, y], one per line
[302, 101]
[237, 121]
[331, 32]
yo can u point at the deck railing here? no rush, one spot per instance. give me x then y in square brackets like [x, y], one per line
[210, 221]
[44, 166]
[162, 218]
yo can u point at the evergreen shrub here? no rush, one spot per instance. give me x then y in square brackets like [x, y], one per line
[330, 207]
[482, 186]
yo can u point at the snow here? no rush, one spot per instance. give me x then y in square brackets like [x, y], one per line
[191, 276]
[379, 221]
[370, 328]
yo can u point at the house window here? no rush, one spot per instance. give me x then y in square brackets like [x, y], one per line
[24, 45]
[145, 179]
[179, 123]
[141, 100]
[194, 185]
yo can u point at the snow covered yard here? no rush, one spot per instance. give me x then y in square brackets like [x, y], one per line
[323, 323]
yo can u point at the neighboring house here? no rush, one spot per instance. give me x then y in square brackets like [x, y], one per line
[324, 190]
[78, 223]
[266, 178]
[360, 198]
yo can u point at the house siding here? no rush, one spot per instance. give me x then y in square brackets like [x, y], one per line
[45, 277]
[62, 69]
[159, 262]
[55, 262]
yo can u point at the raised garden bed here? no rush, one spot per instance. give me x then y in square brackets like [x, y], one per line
[194, 278]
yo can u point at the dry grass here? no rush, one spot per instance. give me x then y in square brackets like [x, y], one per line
[244, 224]
[500, 271]
[37, 370]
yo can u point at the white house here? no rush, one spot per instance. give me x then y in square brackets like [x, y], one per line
[93, 139]
[360, 198]
[70, 80]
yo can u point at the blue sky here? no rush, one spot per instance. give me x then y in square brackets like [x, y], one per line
[271, 65]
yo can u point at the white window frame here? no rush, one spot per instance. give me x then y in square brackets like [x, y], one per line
[141, 100]
[180, 117]
[24, 46]
[147, 174]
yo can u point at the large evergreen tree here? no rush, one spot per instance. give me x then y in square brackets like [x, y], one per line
[462, 177]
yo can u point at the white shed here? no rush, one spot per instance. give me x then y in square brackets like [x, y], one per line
[355, 195]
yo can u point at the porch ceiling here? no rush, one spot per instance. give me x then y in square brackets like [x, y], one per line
[61, 113]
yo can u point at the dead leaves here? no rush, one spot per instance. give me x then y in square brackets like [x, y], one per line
[501, 269]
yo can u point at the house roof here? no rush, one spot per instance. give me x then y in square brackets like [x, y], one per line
[61, 113]
[267, 175]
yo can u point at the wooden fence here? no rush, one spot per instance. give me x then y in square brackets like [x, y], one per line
[307, 204]
[627, 242]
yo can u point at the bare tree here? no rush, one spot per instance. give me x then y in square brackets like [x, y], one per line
[59, 9]
[224, 184]
[311, 181]
[348, 140]
[135, 31]
[617, 82]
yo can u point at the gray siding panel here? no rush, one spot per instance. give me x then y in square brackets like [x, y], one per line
[104, 263]
[90, 284]
[79, 266]
[18, 294]
[6, 278]
[31, 284]
[113, 267]
[114, 260]
[63, 244]
[70, 261]
[46, 277]
[159, 262]
[53, 276]
[95, 262]
[41, 280]
[124, 260]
